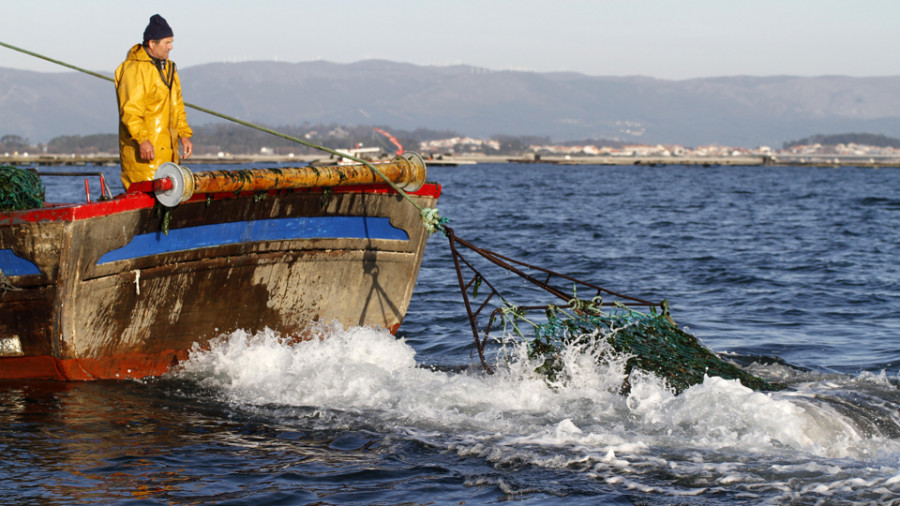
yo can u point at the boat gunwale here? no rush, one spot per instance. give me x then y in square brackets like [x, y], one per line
[140, 196]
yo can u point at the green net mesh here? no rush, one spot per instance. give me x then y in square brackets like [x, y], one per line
[652, 342]
[20, 189]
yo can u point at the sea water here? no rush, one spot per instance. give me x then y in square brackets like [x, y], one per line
[798, 263]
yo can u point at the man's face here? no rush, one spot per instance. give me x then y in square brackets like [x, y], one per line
[160, 48]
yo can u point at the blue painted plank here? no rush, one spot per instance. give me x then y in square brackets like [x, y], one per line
[278, 229]
[14, 265]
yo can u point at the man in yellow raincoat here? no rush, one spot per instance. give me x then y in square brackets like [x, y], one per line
[151, 111]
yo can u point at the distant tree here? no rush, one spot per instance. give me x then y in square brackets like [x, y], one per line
[865, 139]
[82, 145]
[14, 143]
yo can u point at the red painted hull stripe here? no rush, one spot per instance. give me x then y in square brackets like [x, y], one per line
[138, 198]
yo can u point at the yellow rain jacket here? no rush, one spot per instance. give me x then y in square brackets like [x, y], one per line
[150, 108]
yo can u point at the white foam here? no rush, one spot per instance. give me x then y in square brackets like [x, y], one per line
[718, 428]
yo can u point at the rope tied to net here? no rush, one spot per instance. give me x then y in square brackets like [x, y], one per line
[432, 219]
[577, 304]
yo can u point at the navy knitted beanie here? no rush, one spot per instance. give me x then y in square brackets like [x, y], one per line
[157, 29]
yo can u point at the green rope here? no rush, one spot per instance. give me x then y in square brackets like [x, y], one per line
[430, 217]
[20, 189]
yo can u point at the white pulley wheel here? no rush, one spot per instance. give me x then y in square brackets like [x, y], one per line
[182, 184]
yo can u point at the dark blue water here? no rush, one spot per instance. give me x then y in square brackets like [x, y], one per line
[788, 262]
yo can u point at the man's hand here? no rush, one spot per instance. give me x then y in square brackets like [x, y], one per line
[187, 147]
[147, 152]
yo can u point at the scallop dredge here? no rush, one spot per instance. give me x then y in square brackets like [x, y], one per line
[651, 340]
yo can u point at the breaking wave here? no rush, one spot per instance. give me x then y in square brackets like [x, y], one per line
[716, 436]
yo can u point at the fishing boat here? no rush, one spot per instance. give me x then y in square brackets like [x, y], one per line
[124, 287]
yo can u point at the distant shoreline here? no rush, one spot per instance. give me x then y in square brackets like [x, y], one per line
[706, 161]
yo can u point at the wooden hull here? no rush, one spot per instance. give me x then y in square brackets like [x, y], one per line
[101, 292]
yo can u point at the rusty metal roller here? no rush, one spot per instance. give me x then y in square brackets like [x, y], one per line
[174, 184]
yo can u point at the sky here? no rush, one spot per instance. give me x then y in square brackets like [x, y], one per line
[665, 39]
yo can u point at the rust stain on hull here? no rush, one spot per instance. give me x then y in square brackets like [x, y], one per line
[124, 366]
[87, 315]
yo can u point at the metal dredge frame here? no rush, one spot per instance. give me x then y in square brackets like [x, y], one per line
[514, 266]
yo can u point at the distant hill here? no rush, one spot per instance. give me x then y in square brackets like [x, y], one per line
[738, 111]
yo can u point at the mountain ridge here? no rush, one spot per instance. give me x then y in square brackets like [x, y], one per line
[736, 110]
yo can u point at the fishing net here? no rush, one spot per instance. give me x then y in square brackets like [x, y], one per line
[649, 341]
[20, 189]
